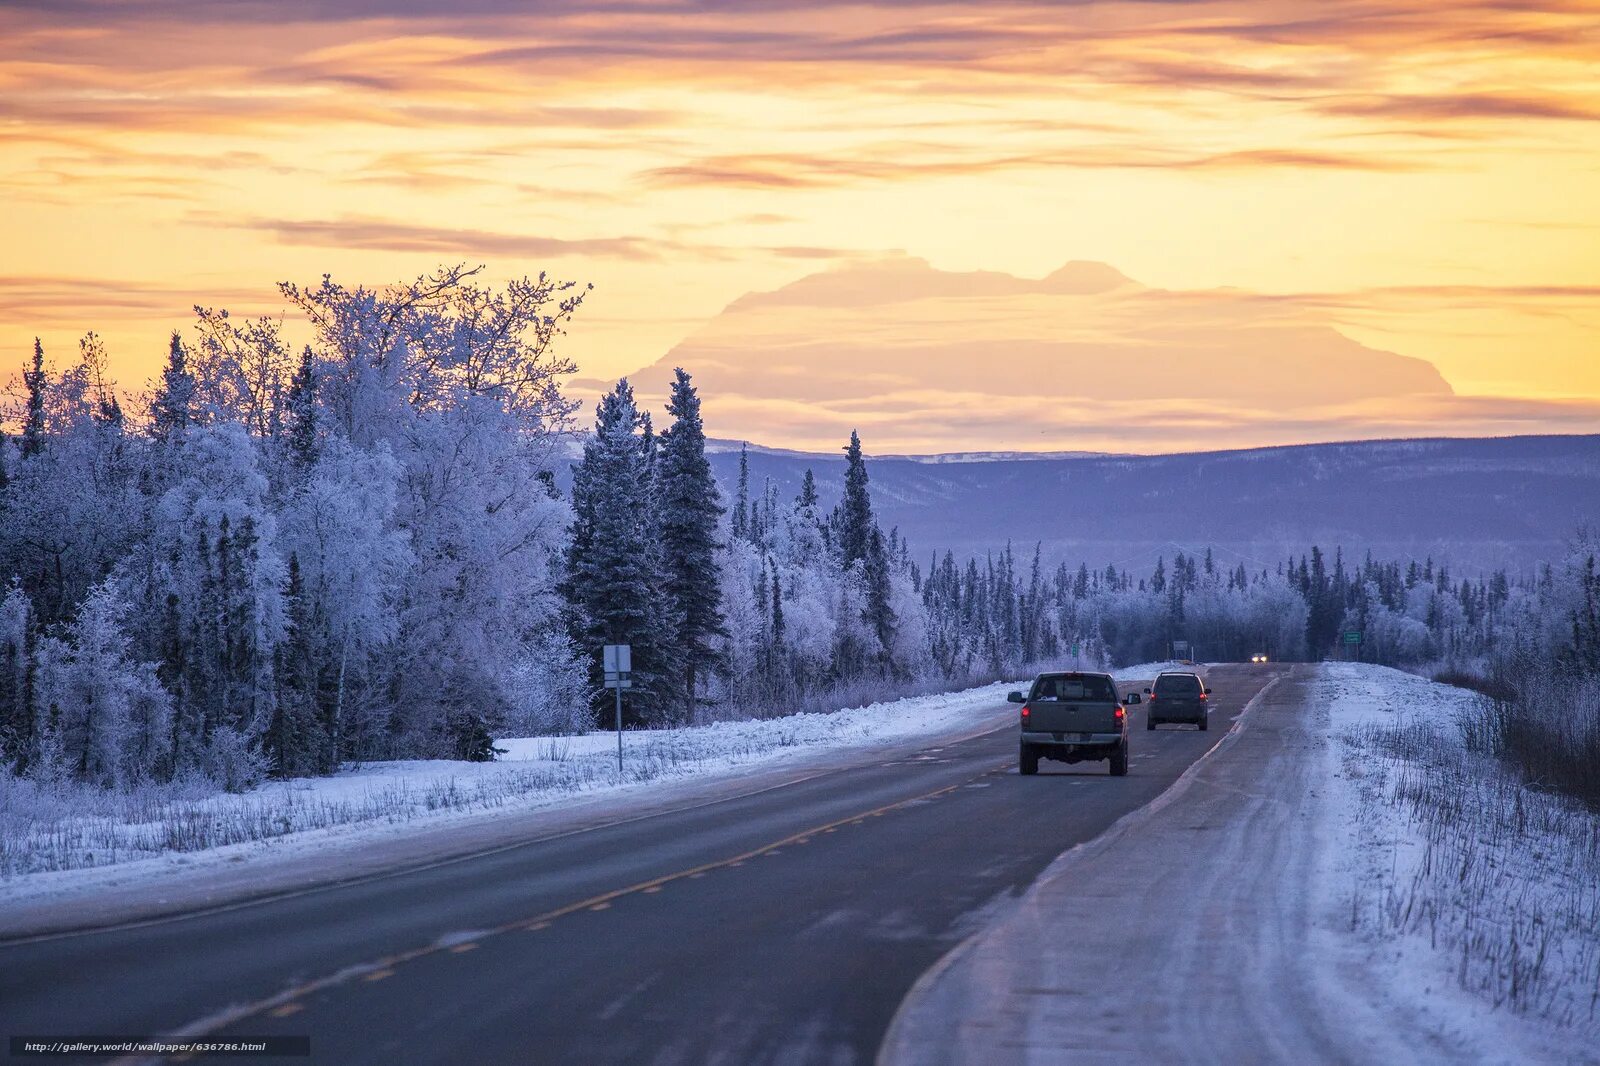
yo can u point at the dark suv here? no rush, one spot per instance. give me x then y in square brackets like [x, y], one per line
[1178, 697]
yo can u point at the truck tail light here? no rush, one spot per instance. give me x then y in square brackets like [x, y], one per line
[1205, 695]
[1121, 714]
[1024, 712]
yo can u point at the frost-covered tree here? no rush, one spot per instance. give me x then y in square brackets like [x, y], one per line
[109, 716]
[302, 414]
[35, 381]
[350, 563]
[172, 405]
[18, 632]
[72, 506]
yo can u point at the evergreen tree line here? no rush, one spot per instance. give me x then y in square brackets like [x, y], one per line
[285, 560]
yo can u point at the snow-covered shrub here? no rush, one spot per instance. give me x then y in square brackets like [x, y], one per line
[232, 759]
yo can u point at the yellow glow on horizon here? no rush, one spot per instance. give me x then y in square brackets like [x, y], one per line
[1425, 183]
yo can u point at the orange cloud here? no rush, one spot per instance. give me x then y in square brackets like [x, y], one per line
[1335, 158]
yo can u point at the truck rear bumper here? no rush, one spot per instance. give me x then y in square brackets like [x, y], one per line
[1085, 740]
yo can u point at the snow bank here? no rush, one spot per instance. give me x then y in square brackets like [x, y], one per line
[1468, 895]
[46, 837]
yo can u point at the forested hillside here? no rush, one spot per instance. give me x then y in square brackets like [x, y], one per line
[1478, 504]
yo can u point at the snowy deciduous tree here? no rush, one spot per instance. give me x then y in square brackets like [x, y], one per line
[109, 716]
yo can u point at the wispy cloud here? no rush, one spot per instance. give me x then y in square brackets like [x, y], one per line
[910, 163]
[1468, 105]
[370, 234]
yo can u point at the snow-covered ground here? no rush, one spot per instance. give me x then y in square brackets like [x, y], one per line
[52, 841]
[1473, 896]
[1323, 887]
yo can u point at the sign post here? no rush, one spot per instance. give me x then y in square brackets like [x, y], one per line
[618, 662]
[1352, 643]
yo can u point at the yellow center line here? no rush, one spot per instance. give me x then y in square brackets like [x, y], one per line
[287, 1002]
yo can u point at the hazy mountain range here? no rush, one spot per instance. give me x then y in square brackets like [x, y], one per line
[924, 360]
[1474, 502]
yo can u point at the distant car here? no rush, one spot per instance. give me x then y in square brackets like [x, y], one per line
[1073, 717]
[1178, 697]
[1259, 657]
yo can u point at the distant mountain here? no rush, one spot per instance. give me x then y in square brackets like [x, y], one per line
[716, 445]
[925, 360]
[1472, 502]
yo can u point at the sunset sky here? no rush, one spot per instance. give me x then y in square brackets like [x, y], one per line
[1423, 177]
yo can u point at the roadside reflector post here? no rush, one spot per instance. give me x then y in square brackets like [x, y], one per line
[618, 662]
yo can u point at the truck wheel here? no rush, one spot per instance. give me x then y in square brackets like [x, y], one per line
[1150, 724]
[1203, 721]
[1028, 760]
[1119, 761]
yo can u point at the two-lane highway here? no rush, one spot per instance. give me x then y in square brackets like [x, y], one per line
[783, 925]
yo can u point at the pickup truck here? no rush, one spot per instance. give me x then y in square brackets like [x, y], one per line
[1073, 717]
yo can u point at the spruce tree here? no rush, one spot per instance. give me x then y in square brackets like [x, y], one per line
[35, 381]
[688, 514]
[741, 506]
[854, 516]
[612, 581]
[171, 410]
[879, 610]
[777, 609]
[17, 632]
[303, 413]
[290, 743]
[807, 500]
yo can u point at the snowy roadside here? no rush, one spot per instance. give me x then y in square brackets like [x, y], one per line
[1473, 897]
[59, 851]
[1292, 898]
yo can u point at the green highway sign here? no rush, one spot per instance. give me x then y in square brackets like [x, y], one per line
[1352, 636]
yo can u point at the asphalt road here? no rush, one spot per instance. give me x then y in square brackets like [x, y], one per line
[783, 925]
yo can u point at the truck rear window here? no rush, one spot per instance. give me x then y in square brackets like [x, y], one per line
[1177, 685]
[1088, 687]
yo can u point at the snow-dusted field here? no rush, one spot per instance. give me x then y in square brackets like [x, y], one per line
[1477, 896]
[50, 838]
